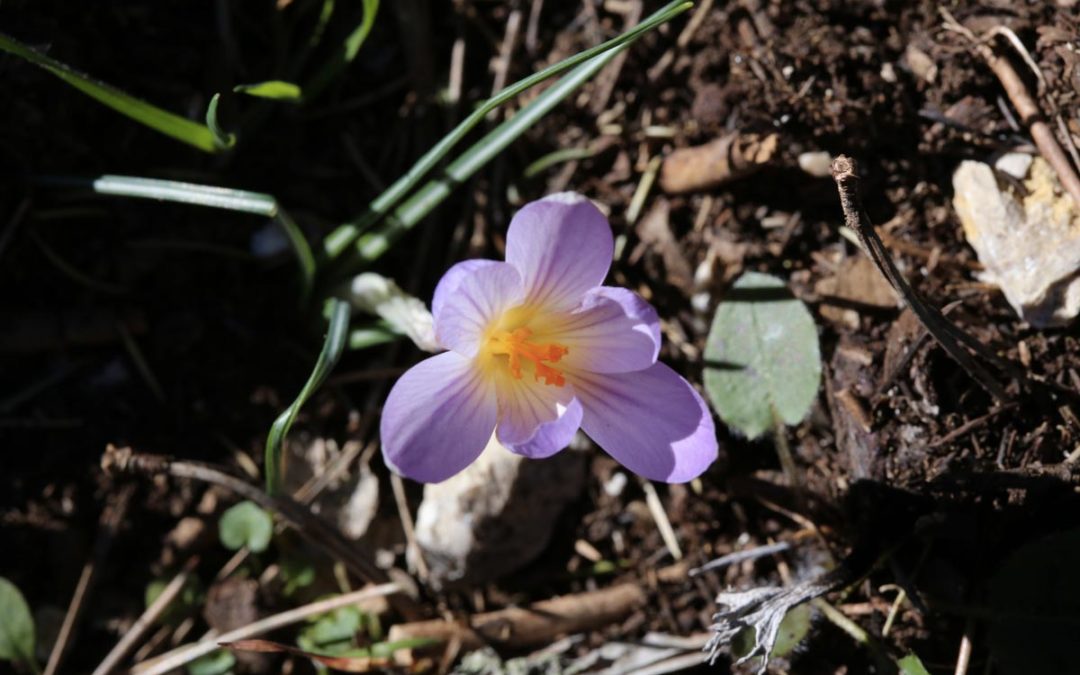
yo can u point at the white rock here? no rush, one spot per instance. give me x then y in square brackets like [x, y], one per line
[495, 516]
[1029, 245]
[816, 163]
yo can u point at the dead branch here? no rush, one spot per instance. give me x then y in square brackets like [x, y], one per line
[308, 526]
[183, 655]
[537, 624]
[111, 517]
[1026, 106]
[725, 159]
[946, 334]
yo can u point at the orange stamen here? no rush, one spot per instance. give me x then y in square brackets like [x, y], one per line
[515, 345]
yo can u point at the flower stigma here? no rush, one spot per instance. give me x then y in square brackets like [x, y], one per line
[517, 346]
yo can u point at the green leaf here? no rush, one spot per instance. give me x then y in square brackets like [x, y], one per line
[1035, 599]
[333, 632]
[297, 572]
[223, 139]
[348, 51]
[336, 337]
[183, 606]
[246, 525]
[16, 626]
[177, 127]
[210, 196]
[585, 64]
[762, 361]
[793, 628]
[911, 665]
[278, 90]
[218, 662]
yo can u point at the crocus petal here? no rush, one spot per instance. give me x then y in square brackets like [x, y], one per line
[438, 418]
[450, 281]
[651, 421]
[614, 331]
[480, 296]
[527, 407]
[553, 436]
[562, 245]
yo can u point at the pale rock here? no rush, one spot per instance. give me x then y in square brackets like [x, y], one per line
[356, 514]
[495, 516]
[817, 164]
[1029, 245]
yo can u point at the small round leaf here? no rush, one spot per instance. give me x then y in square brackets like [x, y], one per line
[245, 524]
[762, 361]
[16, 625]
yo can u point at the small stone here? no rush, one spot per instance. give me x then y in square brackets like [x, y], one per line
[816, 163]
[495, 516]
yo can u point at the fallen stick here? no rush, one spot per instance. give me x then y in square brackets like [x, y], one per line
[725, 159]
[537, 624]
[307, 525]
[1031, 115]
[182, 656]
[947, 335]
[112, 516]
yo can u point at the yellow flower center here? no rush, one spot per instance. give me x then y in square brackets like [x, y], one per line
[518, 347]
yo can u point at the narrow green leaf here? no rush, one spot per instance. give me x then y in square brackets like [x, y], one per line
[587, 63]
[245, 525]
[364, 337]
[348, 51]
[274, 89]
[223, 139]
[16, 627]
[911, 665]
[336, 335]
[558, 157]
[210, 196]
[762, 361]
[177, 127]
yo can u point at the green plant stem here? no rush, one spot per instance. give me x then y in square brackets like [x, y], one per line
[840, 620]
[336, 336]
[783, 451]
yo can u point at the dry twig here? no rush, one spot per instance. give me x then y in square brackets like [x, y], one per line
[537, 624]
[111, 518]
[310, 527]
[188, 653]
[725, 159]
[1026, 105]
[946, 334]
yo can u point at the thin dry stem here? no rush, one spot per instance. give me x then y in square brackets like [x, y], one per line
[186, 654]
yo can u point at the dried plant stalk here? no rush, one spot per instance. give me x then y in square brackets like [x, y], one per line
[725, 159]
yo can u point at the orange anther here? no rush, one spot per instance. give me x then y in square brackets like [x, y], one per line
[516, 346]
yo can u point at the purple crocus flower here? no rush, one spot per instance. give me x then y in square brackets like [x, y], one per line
[538, 348]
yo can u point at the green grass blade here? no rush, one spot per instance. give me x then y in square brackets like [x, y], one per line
[214, 197]
[364, 337]
[222, 138]
[349, 49]
[347, 234]
[177, 127]
[273, 89]
[336, 338]
[371, 245]
[558, 157]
